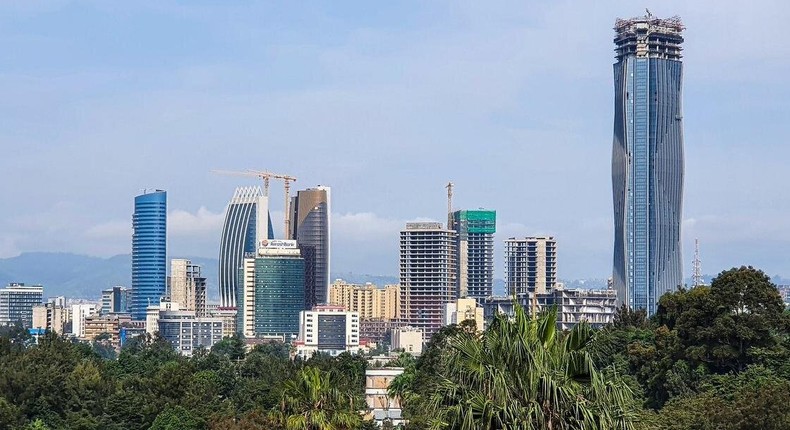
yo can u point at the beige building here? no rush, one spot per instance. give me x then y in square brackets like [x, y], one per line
[409, 339]
[187, 287]
[51, 317]
[461, 310]
[370, 301]
[530, 265]
[381, 406]
[110, 324]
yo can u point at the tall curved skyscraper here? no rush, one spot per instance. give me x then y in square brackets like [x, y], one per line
[311, 227]
[647, 159]
[247, 223]
[149, 251]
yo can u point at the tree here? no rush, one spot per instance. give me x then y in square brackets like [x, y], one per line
[524, 374]
[177, 418]
[312, 401]
[232, 347]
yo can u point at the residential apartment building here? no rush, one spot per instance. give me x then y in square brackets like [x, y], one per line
[51, 317]
[370, 301]
[462, 310]
[475, 251]
[530, 265]
[427, 274]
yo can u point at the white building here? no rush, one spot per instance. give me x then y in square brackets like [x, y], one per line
[408, 338]
[152, 315]
[380, 405]
[327, 329]
[78, 315]
[461, 310]
[186, 332]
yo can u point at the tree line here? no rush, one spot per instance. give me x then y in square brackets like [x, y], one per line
[712, 357]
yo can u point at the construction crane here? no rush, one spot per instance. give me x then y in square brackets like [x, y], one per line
[449, 187]
[267, 176]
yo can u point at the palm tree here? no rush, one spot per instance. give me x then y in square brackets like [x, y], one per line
[312, 401]
[523, 374]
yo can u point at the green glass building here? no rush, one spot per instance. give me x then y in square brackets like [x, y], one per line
[277, 296]
[475, 247]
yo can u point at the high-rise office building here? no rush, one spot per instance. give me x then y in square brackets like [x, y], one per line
[272, 292]
[17, 301]
[247, 223]
[647, 159]
[530, 265]
[186, 287]
[149, 250]
[311, 226]
[427, 274]
[329, 330]
[475, 246]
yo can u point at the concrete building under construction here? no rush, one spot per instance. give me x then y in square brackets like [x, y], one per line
[475, 251]
[530, 265]
[427, 274]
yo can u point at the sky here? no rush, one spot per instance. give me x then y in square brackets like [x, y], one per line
[385, 102]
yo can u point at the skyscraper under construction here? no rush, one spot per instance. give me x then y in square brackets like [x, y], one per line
[647, 159]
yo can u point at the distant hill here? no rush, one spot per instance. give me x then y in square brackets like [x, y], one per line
[82, 276]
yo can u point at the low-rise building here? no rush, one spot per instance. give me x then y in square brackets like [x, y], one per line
[408, 339]
[50, 317]
[327, 329]
[381, 406]
[107, 325]
[596, 307]
[79, 313]
[462, 310]
[152, 313]
[186, 332]
[377, 330]
[228, 317]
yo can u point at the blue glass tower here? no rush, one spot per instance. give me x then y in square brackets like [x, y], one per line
[647, 159]
[149, 248]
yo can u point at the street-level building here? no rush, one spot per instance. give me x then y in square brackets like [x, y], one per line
[381, 406]
[462, 310]
[407, 339]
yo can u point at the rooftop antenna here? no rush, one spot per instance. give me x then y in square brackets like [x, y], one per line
[696, 265]
[649, 15]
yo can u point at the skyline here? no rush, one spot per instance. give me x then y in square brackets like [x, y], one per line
[366, 93]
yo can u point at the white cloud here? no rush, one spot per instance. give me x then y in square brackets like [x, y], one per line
[110, 230]
[202, 223]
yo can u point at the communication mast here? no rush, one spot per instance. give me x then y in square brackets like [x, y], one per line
[449, 187]
[696, 265]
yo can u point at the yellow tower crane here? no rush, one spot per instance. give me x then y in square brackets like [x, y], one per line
[267, 176]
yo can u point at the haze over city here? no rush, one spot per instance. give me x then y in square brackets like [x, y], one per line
[385, 103]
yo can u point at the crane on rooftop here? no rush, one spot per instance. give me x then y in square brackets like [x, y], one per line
[266, 176]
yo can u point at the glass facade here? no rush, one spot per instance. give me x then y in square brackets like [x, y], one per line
[149, 247]
[16, 304]
[239, 236]
[310, 226]
[475, 246]
[279, 295]
[647, 160]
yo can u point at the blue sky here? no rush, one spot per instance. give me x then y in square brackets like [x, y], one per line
[384, 102]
